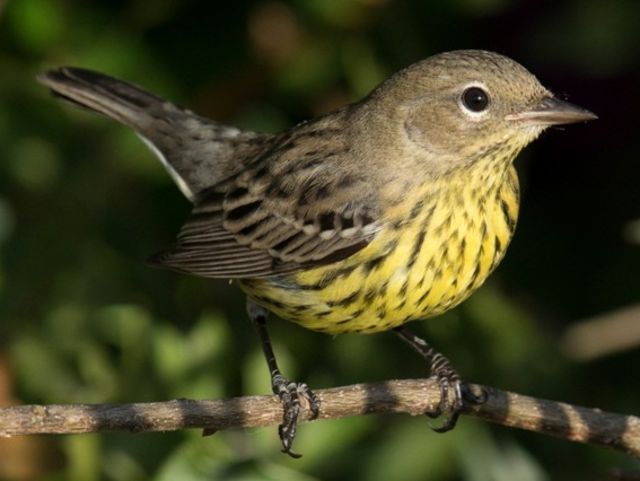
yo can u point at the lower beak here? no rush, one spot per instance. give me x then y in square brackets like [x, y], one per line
[552, 111]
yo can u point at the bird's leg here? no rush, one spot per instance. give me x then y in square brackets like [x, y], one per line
[448, 378]
[290, 393]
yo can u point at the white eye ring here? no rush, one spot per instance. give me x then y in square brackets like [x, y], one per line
[475, 100]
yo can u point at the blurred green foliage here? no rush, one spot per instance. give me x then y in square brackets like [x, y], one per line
[82, 203]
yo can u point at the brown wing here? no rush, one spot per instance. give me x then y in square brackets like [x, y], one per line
[303, 205]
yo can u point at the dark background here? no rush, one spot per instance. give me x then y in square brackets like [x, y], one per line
[82, 203]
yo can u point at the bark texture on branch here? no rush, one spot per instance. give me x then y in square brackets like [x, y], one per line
[412, 396]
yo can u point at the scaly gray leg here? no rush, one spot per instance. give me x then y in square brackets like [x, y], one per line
[289, 392]
[448, 378]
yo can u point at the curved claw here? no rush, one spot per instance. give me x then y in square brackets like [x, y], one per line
[287, 434]
[452, 408]
[462, 395]
[448, 379]
[449, 423]
[291, 394]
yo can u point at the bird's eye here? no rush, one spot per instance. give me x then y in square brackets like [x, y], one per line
[475, 99]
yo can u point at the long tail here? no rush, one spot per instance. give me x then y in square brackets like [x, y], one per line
[197, 152]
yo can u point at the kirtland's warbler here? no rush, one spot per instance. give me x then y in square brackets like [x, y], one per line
[388, 210]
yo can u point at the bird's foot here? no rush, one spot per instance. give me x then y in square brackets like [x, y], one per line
[291, 395]
[453, 394]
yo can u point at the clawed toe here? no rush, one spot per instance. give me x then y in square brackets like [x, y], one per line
[453, 392]
[291, 395]
[451, 405]
[451, 402]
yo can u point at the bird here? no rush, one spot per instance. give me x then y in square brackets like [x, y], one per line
[392, 209]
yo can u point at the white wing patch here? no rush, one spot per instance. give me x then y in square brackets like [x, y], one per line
[182, 185]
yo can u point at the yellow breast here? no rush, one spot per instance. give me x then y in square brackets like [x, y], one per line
[436, 249]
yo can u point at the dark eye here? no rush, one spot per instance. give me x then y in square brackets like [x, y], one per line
[475, 99]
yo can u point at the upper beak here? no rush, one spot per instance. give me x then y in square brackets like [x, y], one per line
[552, 111]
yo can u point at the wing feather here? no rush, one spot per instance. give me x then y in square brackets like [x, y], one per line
[285, 213]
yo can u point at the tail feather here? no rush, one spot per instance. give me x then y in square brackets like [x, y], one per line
[197, 152]
[113, 98]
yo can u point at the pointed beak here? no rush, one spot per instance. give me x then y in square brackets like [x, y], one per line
[552, 111]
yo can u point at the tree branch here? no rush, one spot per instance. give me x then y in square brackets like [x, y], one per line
[412, 396]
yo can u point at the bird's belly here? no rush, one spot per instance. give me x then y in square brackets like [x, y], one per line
[416, 270]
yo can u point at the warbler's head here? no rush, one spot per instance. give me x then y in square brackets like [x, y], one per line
[465, 105]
